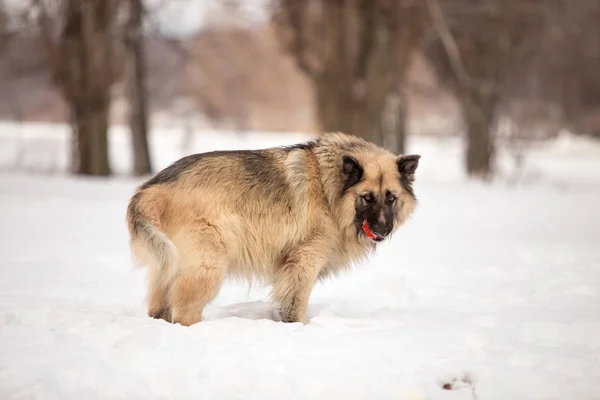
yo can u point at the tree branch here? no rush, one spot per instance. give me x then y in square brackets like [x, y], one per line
[439, 23]
[295, 11]
[368, 33]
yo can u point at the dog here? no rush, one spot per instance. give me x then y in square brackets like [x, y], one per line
[288, 216]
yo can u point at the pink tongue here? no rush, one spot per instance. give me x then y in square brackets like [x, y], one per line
[367, 231]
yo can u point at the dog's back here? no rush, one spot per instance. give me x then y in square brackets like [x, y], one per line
[259, 200]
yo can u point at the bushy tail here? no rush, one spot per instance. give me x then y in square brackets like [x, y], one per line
[148, 244]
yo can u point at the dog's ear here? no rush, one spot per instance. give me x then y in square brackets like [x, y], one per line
[352, 172]
[407, 165]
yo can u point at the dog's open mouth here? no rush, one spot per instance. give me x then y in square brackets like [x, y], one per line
[370, 234]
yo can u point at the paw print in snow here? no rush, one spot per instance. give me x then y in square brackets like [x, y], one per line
[466, 381]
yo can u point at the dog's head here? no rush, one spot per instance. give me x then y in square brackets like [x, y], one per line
[379, 184]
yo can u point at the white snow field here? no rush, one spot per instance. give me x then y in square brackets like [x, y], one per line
[491, 291]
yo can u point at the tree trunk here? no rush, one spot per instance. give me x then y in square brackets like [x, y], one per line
[134, 82]
[337, 110]
[401, 121]
[393, 122]
[355, 52]
[83, 67]
[478, 115]
[385, 126]
[91, 127]
[356, 87]
[350, 104]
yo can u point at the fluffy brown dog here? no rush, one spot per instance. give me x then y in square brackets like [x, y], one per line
[284, 215]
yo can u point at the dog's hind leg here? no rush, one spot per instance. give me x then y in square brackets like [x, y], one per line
[201, 272]
[158, 301]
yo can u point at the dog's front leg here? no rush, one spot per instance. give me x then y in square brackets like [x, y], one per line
[295, 279]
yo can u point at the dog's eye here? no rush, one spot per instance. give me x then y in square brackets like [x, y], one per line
[391, 198]
[368, 198]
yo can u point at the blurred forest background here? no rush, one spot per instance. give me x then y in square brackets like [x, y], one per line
[497, 73]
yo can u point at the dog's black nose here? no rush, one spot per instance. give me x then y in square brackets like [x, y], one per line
[381, 229]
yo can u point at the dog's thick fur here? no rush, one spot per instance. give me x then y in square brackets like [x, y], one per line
[285, 215]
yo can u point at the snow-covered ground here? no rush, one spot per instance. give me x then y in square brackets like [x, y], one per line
[491, 291]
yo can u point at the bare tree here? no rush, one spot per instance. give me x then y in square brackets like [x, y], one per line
[574, 54]
[4, 32]
[355, 52]
[5, 37]
[80, 43]
[135, 88]
[394, 120]
[477, 46]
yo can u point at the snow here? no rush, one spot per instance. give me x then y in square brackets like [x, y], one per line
[491, 290]
[180, 18]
